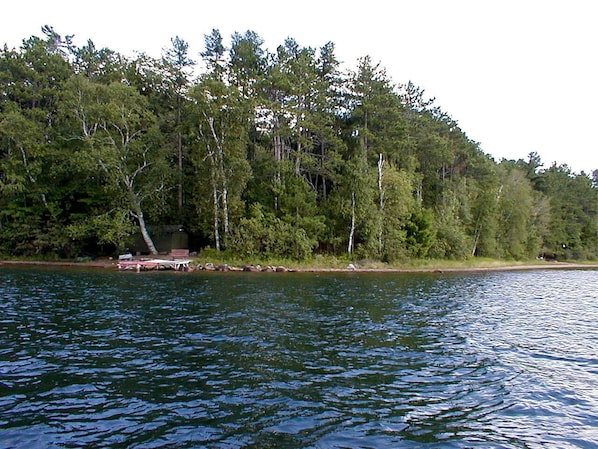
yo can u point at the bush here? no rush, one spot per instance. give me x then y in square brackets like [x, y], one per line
[264, 233]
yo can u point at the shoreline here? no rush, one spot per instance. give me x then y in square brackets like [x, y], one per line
[516, 267]
[559, 266]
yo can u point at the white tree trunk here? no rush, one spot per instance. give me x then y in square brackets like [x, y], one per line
[278, 148]
[225, 211]
[380, 201]
[216, 217]
[352, 231]
[219, 177]
[180, 167]
[476, 238]
[298, 160]
[144, 232]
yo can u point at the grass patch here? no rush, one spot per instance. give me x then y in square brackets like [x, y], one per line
[315, 262]
[323, 262]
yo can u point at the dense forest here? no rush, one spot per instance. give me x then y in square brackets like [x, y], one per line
[279, 154]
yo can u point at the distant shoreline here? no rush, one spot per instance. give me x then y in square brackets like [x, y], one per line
[558, 265]
[112, 264]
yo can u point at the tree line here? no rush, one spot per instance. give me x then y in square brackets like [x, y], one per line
[261, 153]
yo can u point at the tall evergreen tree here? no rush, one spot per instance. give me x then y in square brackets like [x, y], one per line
[31, 79]
[178, 66]
[573, 229]
[378, 130]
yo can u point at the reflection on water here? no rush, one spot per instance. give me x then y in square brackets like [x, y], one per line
[163, 360]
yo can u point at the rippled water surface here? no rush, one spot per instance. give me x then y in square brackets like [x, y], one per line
[164, 360]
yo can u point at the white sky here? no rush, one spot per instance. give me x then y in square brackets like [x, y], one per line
[518, 75]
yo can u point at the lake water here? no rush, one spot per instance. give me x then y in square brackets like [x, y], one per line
[96, 358]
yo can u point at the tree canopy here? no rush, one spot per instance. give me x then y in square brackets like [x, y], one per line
[282, 154]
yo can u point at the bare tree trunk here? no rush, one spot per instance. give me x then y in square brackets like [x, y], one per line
[216, 218]
[225, 210]
[144, 232]
[217, 173]
[215, 200]
[224, 190]
[323, 175]
[475, 243]
[180, 160]
[277, 158]
[380, 201]
[277, 148]
[380, 189]
[352, 231]
[179, 152]
[30, 176]
[298, 160]
[419, 194]
[219, 176]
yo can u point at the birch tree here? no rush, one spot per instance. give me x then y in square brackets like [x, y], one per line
[120, 136]
[219, 126]
[376, 127]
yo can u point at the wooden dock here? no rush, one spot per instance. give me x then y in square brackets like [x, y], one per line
[154, 264]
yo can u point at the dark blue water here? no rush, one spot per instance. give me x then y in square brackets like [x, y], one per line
[162, 360]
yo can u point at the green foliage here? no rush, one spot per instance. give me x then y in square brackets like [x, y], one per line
[420, 233]
[263, 233]
[111, 228]
[515, 211]
[264, 155]
[573, 226]
[454, 210]
[451, 242]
